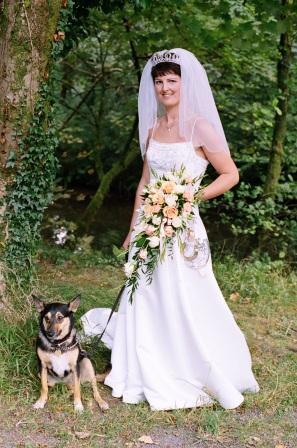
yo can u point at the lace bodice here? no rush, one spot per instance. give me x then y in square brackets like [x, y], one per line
[164, 157]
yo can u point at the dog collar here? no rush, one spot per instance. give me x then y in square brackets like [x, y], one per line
[62, 346]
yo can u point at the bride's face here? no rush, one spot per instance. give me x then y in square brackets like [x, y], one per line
[167, 88]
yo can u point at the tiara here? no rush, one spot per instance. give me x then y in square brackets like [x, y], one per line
[165, 56]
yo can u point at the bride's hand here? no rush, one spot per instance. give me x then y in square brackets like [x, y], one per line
[127, 241]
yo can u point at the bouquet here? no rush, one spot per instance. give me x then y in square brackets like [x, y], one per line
[168, 207]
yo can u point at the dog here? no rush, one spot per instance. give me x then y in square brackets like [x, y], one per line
[59, 354]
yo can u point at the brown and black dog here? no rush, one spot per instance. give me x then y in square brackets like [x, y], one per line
[60, 356]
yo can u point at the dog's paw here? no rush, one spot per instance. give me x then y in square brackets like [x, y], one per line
[78, 407]
[39, 404]
[104, 406]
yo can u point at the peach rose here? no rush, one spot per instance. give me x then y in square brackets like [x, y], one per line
[168, 231]
[187, 208]
[148, 209]
[170, 212]
[168, 186]
[158, 198]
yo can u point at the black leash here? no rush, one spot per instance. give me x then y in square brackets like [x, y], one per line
[98, 339]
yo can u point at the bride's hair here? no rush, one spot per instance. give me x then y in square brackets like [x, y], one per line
[164, 68]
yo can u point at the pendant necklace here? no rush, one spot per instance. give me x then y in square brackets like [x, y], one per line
[170, 127]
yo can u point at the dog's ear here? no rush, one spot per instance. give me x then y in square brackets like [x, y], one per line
[74, 304]
[39, 304]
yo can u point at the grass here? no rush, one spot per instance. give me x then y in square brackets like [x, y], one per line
[262, 299]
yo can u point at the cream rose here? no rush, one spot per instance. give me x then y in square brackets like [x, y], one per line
[150, 230]
[171, 199]
[156, 220]
[154, 241]
[179, 189]
[140, 227]
[156, 208]
[129, 268]
[176, 222]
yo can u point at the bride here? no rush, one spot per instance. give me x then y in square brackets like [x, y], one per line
[177, 345]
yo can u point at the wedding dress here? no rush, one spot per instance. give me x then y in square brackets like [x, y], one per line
[177, 345]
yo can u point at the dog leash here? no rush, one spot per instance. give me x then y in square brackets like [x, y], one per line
[98, 339]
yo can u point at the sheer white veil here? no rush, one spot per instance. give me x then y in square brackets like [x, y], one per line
[196, 103]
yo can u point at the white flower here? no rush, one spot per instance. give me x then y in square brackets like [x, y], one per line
[156, 220]
[143, 254]
[179, 189]
[140, 227]
[170, 199]
[60, 236]
[154, 241]
[129, 268]
[170, 176]
[176, 222]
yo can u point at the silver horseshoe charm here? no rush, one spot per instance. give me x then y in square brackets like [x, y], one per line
[195, 250]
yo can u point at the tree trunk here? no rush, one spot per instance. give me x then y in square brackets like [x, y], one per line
[26, 33]
[280, 122]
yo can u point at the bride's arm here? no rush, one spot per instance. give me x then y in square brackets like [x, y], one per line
[145, 177]
[228, 175]
[216, 150]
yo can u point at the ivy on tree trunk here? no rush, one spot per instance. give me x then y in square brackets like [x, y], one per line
[27, 32]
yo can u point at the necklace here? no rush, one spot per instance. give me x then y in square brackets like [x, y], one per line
[170, 127]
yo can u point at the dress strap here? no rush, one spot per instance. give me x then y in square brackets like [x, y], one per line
[153, 130]
[193, 129]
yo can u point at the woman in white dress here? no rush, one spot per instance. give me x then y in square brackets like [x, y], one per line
[177, 345]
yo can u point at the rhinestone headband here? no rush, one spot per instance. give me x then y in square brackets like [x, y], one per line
[165, 56]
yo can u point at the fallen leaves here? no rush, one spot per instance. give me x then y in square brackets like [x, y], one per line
[82, 434]
[146, 439]
[60, 35]
[234, 297]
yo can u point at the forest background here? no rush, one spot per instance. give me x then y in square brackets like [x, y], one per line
[70, 159]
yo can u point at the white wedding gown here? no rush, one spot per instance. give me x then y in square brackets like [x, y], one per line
[177, 345]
